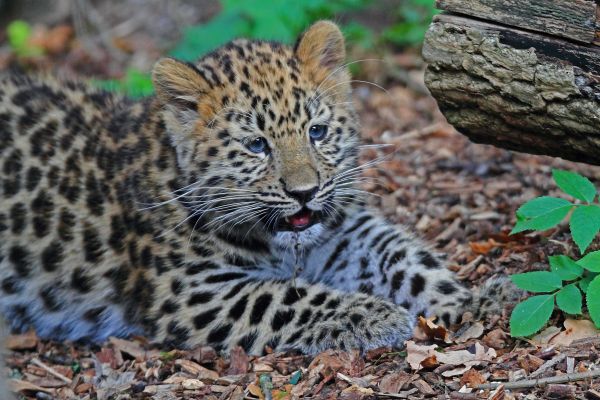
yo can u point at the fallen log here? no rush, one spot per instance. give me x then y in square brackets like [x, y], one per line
[573, 19]
[514, 88]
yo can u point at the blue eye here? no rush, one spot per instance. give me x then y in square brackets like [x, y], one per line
[317, 132]
[257, 145]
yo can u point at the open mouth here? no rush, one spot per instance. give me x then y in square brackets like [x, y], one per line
[300, 221]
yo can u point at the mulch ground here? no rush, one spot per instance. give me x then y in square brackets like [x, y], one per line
[459, 196]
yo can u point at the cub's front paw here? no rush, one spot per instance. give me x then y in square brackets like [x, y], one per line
[364, 323]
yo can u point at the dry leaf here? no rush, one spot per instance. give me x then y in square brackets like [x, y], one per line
[25, 341]
[432, 330]
[474, 331]
[430, 362]
[134, 349]
[393, 383]
[358, 390]
[109, 356]
[472, 378]
[282, 394]
[424, 387]
[255, 390]
[415, 354]
[465, 357]
[197, 370]
[192, 384]
[483, 248]
[529, 362]
[574, 330]
[333, 361]
[48, 382]
[19, 386]
[544, 337]
[203, 354]
[455, 372]
[497, 394]
[55, 40]
[238, 363]
[495, 339]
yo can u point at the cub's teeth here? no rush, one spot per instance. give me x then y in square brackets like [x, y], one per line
[287, 219]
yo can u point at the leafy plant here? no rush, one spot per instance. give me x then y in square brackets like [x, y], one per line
[413, 19]
[284, 20]
[279, 20]
[568, 280]
[19, 35]
[135, 83]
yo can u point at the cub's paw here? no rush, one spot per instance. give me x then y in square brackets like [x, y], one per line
[364, 323]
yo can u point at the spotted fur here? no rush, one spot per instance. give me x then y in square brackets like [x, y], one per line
[157, 218]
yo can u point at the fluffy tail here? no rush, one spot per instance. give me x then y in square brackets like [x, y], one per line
[493, 295]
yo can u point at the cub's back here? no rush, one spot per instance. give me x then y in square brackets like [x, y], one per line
[56, 201]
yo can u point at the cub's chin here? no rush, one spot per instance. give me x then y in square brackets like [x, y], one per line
[307, 237]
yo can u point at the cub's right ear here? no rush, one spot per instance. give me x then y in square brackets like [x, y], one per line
[179, 84]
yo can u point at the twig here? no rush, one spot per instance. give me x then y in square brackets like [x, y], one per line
[527, 383]
[548, 364]
[593, 394]
[417, 133]
[586, 342]
[402, 395]
[51, 371]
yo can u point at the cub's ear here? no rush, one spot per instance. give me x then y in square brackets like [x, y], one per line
[178, 84]
[321, 47]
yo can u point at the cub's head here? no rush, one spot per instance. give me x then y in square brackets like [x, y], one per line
[265, 134]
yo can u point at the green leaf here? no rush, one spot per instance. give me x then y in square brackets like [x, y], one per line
[575, 185]
[19, 32]
[529, 316]
[200, 39]
[537, 281]
[585, 282]
[565, 267]
[543, 222]
[137, 83]
[541, 205]
[585, 224]
[591, 261]
[569, 299]
[593, 300]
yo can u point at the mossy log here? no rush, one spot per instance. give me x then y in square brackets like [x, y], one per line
[514, 88]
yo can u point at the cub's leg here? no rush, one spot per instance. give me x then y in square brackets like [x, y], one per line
[232, 308]
[371, 256]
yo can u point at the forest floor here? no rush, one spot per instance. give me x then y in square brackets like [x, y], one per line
[459, 196]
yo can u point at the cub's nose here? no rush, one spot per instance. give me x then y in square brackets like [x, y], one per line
[303, 196]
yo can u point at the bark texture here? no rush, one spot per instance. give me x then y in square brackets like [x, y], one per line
[516, 89]
[573, 19]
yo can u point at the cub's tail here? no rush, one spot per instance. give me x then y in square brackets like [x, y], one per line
[493, 295]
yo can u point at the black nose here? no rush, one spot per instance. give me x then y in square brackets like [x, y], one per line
[303, 196]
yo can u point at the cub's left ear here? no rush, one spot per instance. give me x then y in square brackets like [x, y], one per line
[321, 47]
[178, 84]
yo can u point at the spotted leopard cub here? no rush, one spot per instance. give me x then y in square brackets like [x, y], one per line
[222, 211]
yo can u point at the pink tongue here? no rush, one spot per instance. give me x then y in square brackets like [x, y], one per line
[300, 220]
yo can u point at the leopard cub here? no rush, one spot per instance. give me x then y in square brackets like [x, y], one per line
[221, 211]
